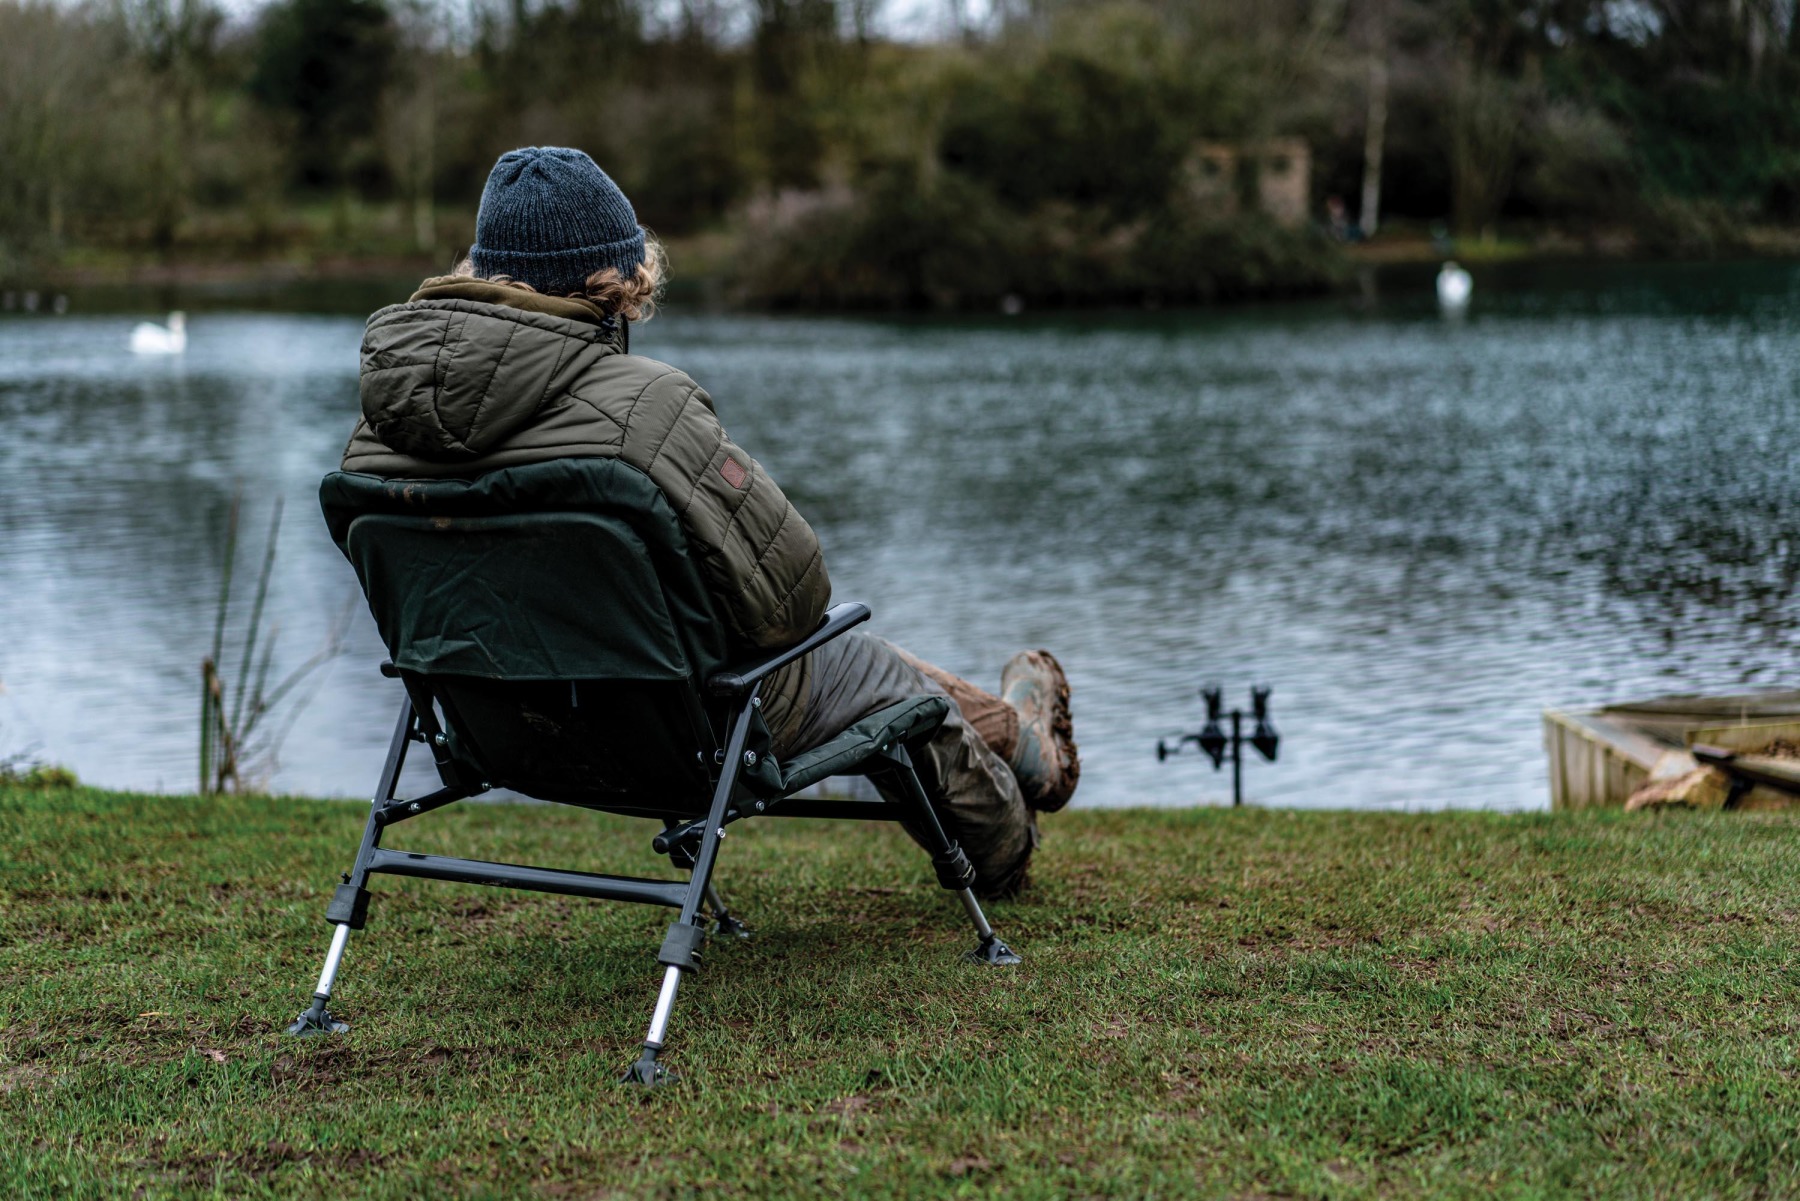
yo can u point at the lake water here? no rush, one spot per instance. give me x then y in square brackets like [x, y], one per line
[1419, 531]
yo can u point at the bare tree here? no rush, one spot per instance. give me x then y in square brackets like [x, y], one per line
[410, 118]
[1486, 134]
[1375, 127]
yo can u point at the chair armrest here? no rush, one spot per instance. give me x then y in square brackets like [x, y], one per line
[838, 619]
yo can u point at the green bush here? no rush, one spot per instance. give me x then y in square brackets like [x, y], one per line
[1720, 140]
[900, 243]
[951, 243]
[1580, 165]
[1182, 258]
[1066, 127]
[38, 777]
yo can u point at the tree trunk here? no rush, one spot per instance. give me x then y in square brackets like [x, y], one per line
[424, 162]
[1375, 131]
[1484, 117]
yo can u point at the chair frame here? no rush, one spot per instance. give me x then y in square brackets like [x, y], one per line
[692, 844]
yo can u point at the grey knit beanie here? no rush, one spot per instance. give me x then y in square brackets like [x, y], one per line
[550, 217]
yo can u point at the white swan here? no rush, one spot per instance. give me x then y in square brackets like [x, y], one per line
[150, 338]
[1453, 287]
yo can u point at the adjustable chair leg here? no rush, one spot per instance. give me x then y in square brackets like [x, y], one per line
[681, 945]
[680, 953]
[954, 872]
[317, 1019]
[350, 903]
[646, 1070]
[349, 911]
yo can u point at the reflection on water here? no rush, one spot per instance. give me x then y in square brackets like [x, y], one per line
[1419, 532]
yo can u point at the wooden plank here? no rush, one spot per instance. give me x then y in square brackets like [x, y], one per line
[1601, 757]
[1596, 761]
[1734, 710]
[1744, 736]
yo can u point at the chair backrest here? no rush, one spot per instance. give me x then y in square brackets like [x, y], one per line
[556, 618]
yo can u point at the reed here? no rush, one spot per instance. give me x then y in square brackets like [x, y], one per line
[237, 745]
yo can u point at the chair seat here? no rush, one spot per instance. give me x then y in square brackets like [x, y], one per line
[903, 722]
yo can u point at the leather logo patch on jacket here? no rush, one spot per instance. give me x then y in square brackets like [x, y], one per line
[733, 471]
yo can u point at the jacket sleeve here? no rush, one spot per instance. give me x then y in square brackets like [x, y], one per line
[760, 559]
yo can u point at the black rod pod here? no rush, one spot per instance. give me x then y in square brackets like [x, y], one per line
[1265, 739]
[1217, 745]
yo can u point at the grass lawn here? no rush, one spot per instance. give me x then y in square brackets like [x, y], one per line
[1213, 1003]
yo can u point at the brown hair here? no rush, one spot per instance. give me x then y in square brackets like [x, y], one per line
[634, 298]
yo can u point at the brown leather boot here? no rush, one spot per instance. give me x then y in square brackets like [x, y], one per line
[1046, 760]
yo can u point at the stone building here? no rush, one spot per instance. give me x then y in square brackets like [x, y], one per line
[1273, 177]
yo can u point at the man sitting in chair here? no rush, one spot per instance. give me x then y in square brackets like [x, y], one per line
[558, 271]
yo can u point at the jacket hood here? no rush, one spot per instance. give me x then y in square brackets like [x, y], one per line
[450, 373]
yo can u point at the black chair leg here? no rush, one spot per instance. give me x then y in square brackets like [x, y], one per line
[954, 871]
[673, 843]
[350, 904]
[681, 946]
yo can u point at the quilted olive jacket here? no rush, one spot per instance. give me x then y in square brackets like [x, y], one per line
[468, 376]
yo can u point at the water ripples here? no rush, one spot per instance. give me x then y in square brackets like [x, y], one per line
[1420, 532]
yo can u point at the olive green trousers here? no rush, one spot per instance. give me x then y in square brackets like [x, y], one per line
[965, 775]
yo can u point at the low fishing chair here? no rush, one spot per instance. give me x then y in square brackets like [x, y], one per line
[553, 636]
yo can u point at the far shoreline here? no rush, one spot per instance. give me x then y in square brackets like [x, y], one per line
[705, 275]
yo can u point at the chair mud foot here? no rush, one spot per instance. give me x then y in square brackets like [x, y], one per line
[724, 923]
[993, 953]
[647, 1072]
[729, 926]
[317, 1019]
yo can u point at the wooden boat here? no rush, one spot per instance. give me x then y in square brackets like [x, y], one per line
[1642, 753]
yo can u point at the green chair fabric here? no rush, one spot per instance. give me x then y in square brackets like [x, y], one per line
[533, 493]
[901, 723]
[556, 616]
[531, 596]
[566, 632]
